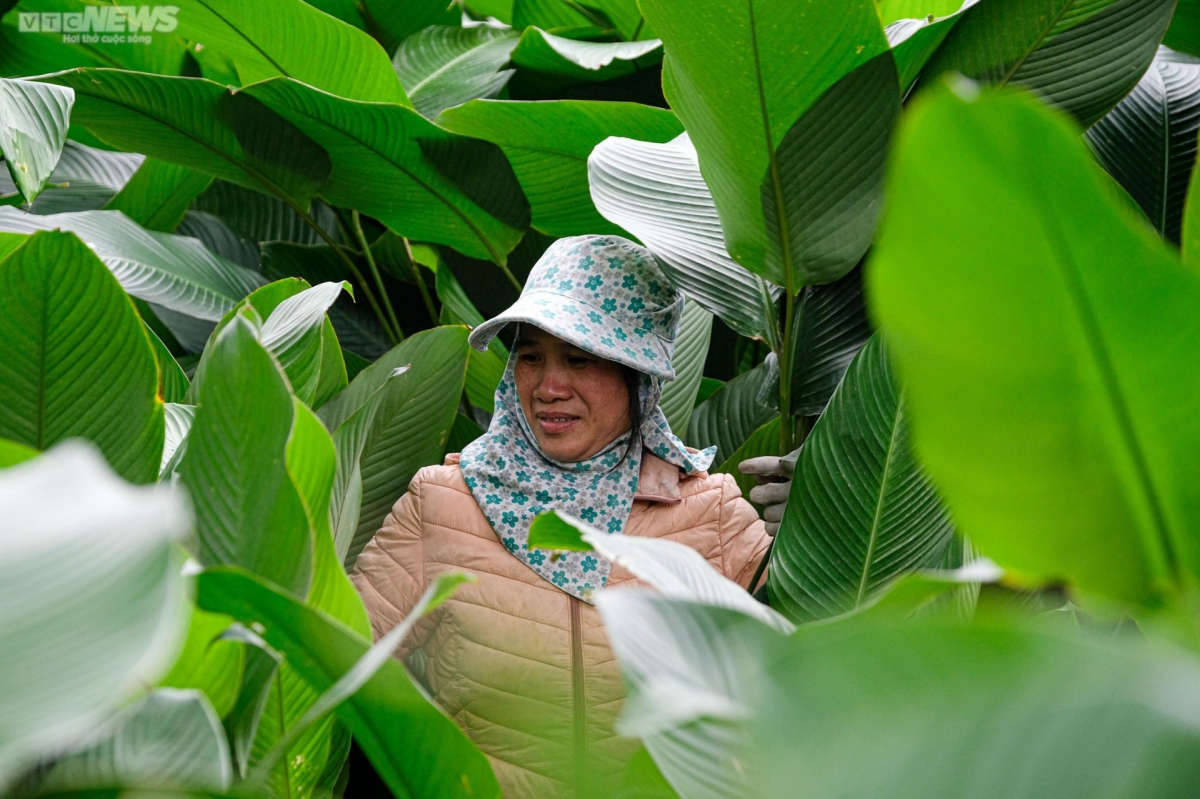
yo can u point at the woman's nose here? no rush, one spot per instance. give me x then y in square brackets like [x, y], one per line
[552, 386]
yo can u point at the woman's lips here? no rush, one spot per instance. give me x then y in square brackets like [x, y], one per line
[556, 423]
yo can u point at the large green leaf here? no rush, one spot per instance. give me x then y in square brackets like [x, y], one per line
[691, 348]
[358, 330]
[444, 66]
[264, 218]
[392, 22]
[991, 710]
[158, 194]
[388, 437]
[623, 14]
[248, 511]
[583, 61]
[199, 124]
[94, 604]
[1039, 326]
[209, 663]
[295, 334]
[398, 167]
[833, 327]
[861, 512]
[174, 272]
[738, 408]
[36, 117]
[75, 359]
[791, 130]
[416, 749]
[171, 739]
[548, 144]
[915, 39]
[84, 179]
[484, 369]
[763, 441]
[656, 192]
[290, 37]
[1082, 56]
[1148, 142]
[1184, 33]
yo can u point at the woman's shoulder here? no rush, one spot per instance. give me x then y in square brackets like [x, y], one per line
[443, 475]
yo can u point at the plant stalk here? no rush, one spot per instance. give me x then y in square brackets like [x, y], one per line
[786, 427]
[366, 251]
[354, 270]
[417, 276]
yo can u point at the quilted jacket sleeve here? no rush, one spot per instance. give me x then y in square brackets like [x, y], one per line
[390, 572]
[744, 538]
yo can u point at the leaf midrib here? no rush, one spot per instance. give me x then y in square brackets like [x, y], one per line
[404, 170]
[1037, 43]
[876, 521]
[1111, 385]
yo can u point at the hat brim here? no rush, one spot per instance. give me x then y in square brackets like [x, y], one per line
[637, 349]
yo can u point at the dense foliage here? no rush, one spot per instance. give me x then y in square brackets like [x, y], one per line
[240, 252]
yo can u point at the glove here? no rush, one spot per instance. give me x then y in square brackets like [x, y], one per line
[774, 475]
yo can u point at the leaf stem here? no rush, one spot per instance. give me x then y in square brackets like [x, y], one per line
[359, 280]
[786, 355]
[417, 276]
[370, 257]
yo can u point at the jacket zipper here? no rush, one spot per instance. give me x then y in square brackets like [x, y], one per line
[580, 711]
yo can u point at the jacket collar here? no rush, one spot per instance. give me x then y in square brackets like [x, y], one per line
[658, 480]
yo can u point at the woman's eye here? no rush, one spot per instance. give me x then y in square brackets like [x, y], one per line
[578, 361]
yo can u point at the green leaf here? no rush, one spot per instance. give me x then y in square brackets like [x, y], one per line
[691, 348]
[484, 369]
[914, 41]
[891, 11]
[208, 662]
[805, 92]
[75, 358]
[171, 739]
[1184, 33]
[415, 748]
[294, 334]
[548, 144]
[1148, 142]
[265, 218]
[357, 329]
[692, 672]
[174, 272]
[861, 512]
[1081, 56]
[179, 420]
[388, 437]
[394, 22]
[199, 124]
[994, 709]
[173, 382]
[727, 418]
[36, 117]
[674, 570]
[13, 453]
[158, 194]
[82, 638]
[708, 387]
[1013, 314]
[444, 66]
[292, 38]
[370, 663]
[833, 327]
[583, 61]
[656, 192]
[391, 163]
[463, 432]
[84, 179]
[248, 511]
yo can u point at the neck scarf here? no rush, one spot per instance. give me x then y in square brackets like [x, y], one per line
[513, 481]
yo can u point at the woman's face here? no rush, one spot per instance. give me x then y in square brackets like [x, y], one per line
[576, 403]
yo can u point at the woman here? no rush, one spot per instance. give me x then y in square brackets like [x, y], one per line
[519, 657]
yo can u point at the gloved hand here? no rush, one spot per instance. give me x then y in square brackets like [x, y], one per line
[774, 475]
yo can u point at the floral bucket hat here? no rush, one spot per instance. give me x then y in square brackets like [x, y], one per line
[603, 294]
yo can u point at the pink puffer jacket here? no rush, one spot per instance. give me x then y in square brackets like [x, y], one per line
[524, 668]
